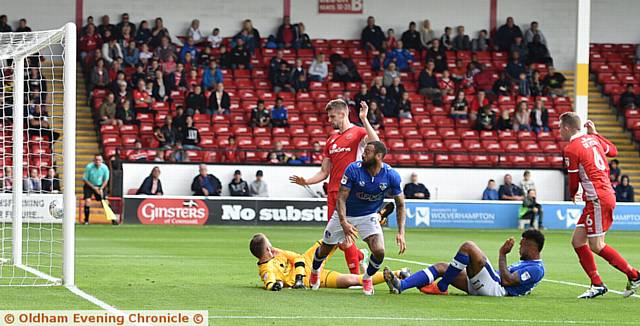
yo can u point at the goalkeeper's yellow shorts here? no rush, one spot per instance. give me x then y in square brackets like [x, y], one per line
[328, 278]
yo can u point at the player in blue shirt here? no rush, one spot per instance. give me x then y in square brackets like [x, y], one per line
[471, 271]
[363, 188]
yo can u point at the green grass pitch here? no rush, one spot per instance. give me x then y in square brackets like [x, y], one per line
[210, 268]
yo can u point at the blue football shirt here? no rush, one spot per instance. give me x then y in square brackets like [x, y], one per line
[367, 192]
[530, 272]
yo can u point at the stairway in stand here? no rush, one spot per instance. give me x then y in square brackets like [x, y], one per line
[612, 128]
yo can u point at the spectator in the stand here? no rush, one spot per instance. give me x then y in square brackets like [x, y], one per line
[141, 98]
[390, 74]
[301, 84]
[538, 52]
[260, 115]
[180, 121]
[522, 49]
[479, 101]
[304, 40]
[614, 170]
[212, 75]
[277, 155]
[458, 72]
[205, 184]
[522, 117]
[32, 182]
[165, 50]
[287, 34]
[83, 31]
[215, 39]
[274, 65]
[624, 191]
[506, 34]
[437, 54]
[628, 99]
[138, 154]
[131, 55]
[279, 114]
[258, 188]
[124, 21]
[230, 153]
[4, 26]
[515, 66]
[400, 56]
[189, 47]
[404, 106]
[143, 34]
[461, 41]
[446, 84]
[524, 87]
[376, 85]
[531, 209]
[51, 182]
[388, 105]
[38, 123]
[89, 42]
[99, 77]
[502, 86]
[178, 154]
[375, 116]
[446, 41]
[158, 33]
[151, 186]
[486, 119]
[535, 84]
[190, 137]
[194, 32]
[395, 90]
[6, 184]
[505, 122]
[170, 65]
[539, 117]
[107, 111]
[411, 38]
[159, 90]
[205, 56]
[96, 179]
[317, 154]
[240, 56]
[169, 133]
[319, 69]
[509, 191]
[390, 40]
[343, 70]
[415, 190]
[282, 79]
[459, 106]
[197, 102]
[554, 82]
[427, 81]
[372, 35]
[22, 26]
[532, 32]
[481, 43]
[125, 37]
[483, 80]
[527, 183]
[297, 70]
[220, 101]
[106, 26]
[177, 80]
[238, 187]
[426, 34]
[490, 192]
[363, 94]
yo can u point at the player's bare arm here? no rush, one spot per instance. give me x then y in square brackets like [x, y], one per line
[364, 112]
[320, 176]
[400, 216]
[341, 207]
[507, 278]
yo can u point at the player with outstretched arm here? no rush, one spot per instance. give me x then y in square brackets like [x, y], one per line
[362, 191]
[341, 149]
[585, 159]
[471, 271]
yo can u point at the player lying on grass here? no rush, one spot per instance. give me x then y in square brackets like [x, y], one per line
[471, 271]
[280, 268]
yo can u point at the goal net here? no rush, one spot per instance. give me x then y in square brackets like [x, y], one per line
[37, 157]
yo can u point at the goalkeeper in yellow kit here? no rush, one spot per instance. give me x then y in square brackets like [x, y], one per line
[280, 268]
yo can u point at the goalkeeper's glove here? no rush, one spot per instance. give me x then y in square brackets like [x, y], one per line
[277, 286]
[299, 284]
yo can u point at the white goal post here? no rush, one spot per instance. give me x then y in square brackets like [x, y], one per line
[37, 157]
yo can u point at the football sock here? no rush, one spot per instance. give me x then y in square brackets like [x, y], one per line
[353, 256]
[588, 263]
[317, 261]
[617, 261]
[459, 262]
[419, 278]
[374, 266]
[87, 211]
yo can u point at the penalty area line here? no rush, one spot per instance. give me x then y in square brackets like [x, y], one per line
[544, 279]
[105, 306]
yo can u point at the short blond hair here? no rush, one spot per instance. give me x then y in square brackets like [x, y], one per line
[337, 104]
[571, 120]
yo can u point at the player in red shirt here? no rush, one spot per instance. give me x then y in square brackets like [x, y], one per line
[342, 149]
[586, 164]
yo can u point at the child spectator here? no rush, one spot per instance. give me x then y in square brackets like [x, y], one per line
[523, 117]
[624, 191]
[539, 117]
[614, 170]
[319, 69]
[400, 56]
[531, 209]
[279, 115]
[260, 115]
[490, 193]
[446, 84]
[237, 186]
[391, 38]
[404, 106]
[316, 154]
[524, 87]
[258, 188]
[459, 106]
[527, 183]
[190, 136]
[215, 39]
[505, 122]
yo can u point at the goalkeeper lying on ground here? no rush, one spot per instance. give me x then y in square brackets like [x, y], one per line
[281, 268]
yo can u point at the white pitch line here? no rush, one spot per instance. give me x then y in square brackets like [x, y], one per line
[109, 308]
[424, 319]
[544, 279]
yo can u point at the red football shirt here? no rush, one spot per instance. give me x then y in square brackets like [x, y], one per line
[343, 149]
[585, 158]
